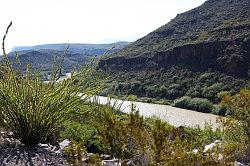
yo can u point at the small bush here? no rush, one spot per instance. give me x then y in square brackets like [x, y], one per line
[201, 105]
[212, 91]
[132, 98]
[197, 104]
[220, 110]
[182, 102]
[75, 152]
[239, 109]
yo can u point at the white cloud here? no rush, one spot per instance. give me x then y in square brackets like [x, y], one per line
[85, 21]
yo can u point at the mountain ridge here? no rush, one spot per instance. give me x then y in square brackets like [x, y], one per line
[75, 47]
[205, 24]
[199, 53]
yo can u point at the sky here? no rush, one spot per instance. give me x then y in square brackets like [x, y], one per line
[85, 21]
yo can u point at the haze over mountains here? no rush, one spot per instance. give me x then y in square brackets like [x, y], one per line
[195, 54]
[41, 57]
[90, 49]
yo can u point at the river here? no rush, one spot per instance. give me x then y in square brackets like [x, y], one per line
[174, 116]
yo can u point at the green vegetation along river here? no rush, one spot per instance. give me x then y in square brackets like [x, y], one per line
[174, 116]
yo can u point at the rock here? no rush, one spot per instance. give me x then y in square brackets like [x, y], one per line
[113, 162]
[195, 151]
[13, 152]
[105, 157]
[130, 162]
[10, 134]
[239, 164]
[64, 143]
[220, 157]
[210, 146]
[43, 145]
[217, 141]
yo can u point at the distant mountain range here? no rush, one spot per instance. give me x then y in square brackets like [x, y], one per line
[86, 49]
[194, 54]
[41, 57]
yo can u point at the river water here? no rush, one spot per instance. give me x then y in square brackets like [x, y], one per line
[174, 116]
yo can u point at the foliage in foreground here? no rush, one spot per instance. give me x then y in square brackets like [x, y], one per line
[34, 110]
[141, 141]
[237, 124]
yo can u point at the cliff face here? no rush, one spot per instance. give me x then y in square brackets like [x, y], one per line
[230, 57]
[213, 36]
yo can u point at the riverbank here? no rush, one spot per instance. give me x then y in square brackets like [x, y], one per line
[172, 115]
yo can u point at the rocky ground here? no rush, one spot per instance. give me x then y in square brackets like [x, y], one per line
[13, 152]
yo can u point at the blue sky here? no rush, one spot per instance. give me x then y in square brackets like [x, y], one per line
[86, 21]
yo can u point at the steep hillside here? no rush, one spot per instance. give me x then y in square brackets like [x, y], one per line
[212, 39]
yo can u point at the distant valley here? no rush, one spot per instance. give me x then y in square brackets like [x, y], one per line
[41, 57]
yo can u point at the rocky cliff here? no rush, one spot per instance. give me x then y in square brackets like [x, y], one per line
[230, 57]
[213, 36]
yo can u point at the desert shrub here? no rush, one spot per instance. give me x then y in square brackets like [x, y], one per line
[95, 159]
[239, 107]
[222, 94]
[220, 110]
[81, 129]
[203, 136]
[212, 91]
[109, 128]
[75, 131]
[132, 98]
[123, 136]
[75, 153]
[197, 104]
[195, 91]
[34, 110]
[141, 141]
[146, 99]
[182, 102]
[175, 145]
[160, 132]
[201, 105]
[236, 127]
